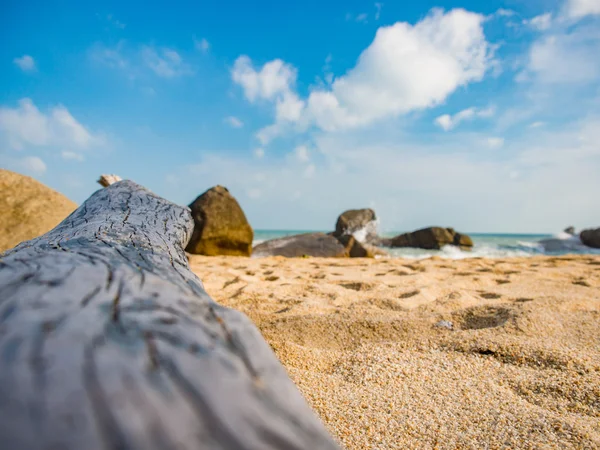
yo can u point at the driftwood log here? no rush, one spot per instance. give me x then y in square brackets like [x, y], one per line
[109, 341]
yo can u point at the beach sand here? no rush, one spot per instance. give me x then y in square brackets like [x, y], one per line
[520, 367]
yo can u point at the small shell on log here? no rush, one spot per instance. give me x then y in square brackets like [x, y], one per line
[107, 180]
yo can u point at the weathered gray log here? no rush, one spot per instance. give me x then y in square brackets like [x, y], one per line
[109, 341]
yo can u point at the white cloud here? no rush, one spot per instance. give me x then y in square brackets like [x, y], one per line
[576, 9]
[537, 124]
[26, 125]
[259, 153]
[275, 78]
[362, 17]
[289, 107]
[564, 58]
[68, 155]
[495, 142]
[202, 45]
[541, 23]
[503, 12]
[406, 68]
[234, 122]
[448, 122]
[301, 153]
[26, 63]
[33, 165]
[165, 62]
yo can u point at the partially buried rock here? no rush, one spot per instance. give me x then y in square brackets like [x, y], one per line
[570, 230]
[357, 221]
[357, 249]
[309, 244]
[220, 225]
[591, 237]
[432, 238]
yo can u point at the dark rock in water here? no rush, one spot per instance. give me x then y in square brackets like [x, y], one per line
[353, 220]
[591, 237]
[462, 240]
[357, 249]
[309, 244]
[432, 238]
[220, 225]
[570, 230]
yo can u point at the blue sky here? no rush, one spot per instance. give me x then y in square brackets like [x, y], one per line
[484, 116]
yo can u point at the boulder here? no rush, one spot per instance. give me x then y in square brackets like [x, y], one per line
[356, 249]
[432, 238]
[309, 244]
[220, 225]
[570, 230]
[28, 209]
[357, 220]
[462, 240]
[590, 237]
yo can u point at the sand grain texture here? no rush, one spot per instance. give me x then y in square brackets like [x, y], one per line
[519, 369]
[28, 209]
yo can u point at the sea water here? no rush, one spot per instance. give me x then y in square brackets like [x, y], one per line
[486, 245]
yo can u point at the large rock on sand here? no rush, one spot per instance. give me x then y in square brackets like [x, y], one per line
[28, 209]
[432, 238]
[591, 237]
[309, 244]
[357, 220]
[220, 225]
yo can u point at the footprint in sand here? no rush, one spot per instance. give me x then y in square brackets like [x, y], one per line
[480, 317]
[484, 269]
[268, 272]
[357, 286]
[501, 281]
[400, 273]
[272, 278]
[409, 294]
[523, 300]
[490, 295]
[582, 283]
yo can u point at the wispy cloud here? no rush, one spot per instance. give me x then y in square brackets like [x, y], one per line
[448, 122]
[201, 45]
[26, 63]
[135, 61]
[165, 62]
[233, 122]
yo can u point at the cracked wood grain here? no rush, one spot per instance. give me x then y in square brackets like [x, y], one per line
[109, 341]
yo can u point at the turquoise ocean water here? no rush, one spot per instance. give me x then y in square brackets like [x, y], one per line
[485, 245]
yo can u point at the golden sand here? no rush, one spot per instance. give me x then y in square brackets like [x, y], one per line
[28, 209]
[520, 367]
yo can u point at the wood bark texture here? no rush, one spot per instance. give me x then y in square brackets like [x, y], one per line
[109, 341]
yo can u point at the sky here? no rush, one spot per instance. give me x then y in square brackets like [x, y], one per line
[483, 116]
